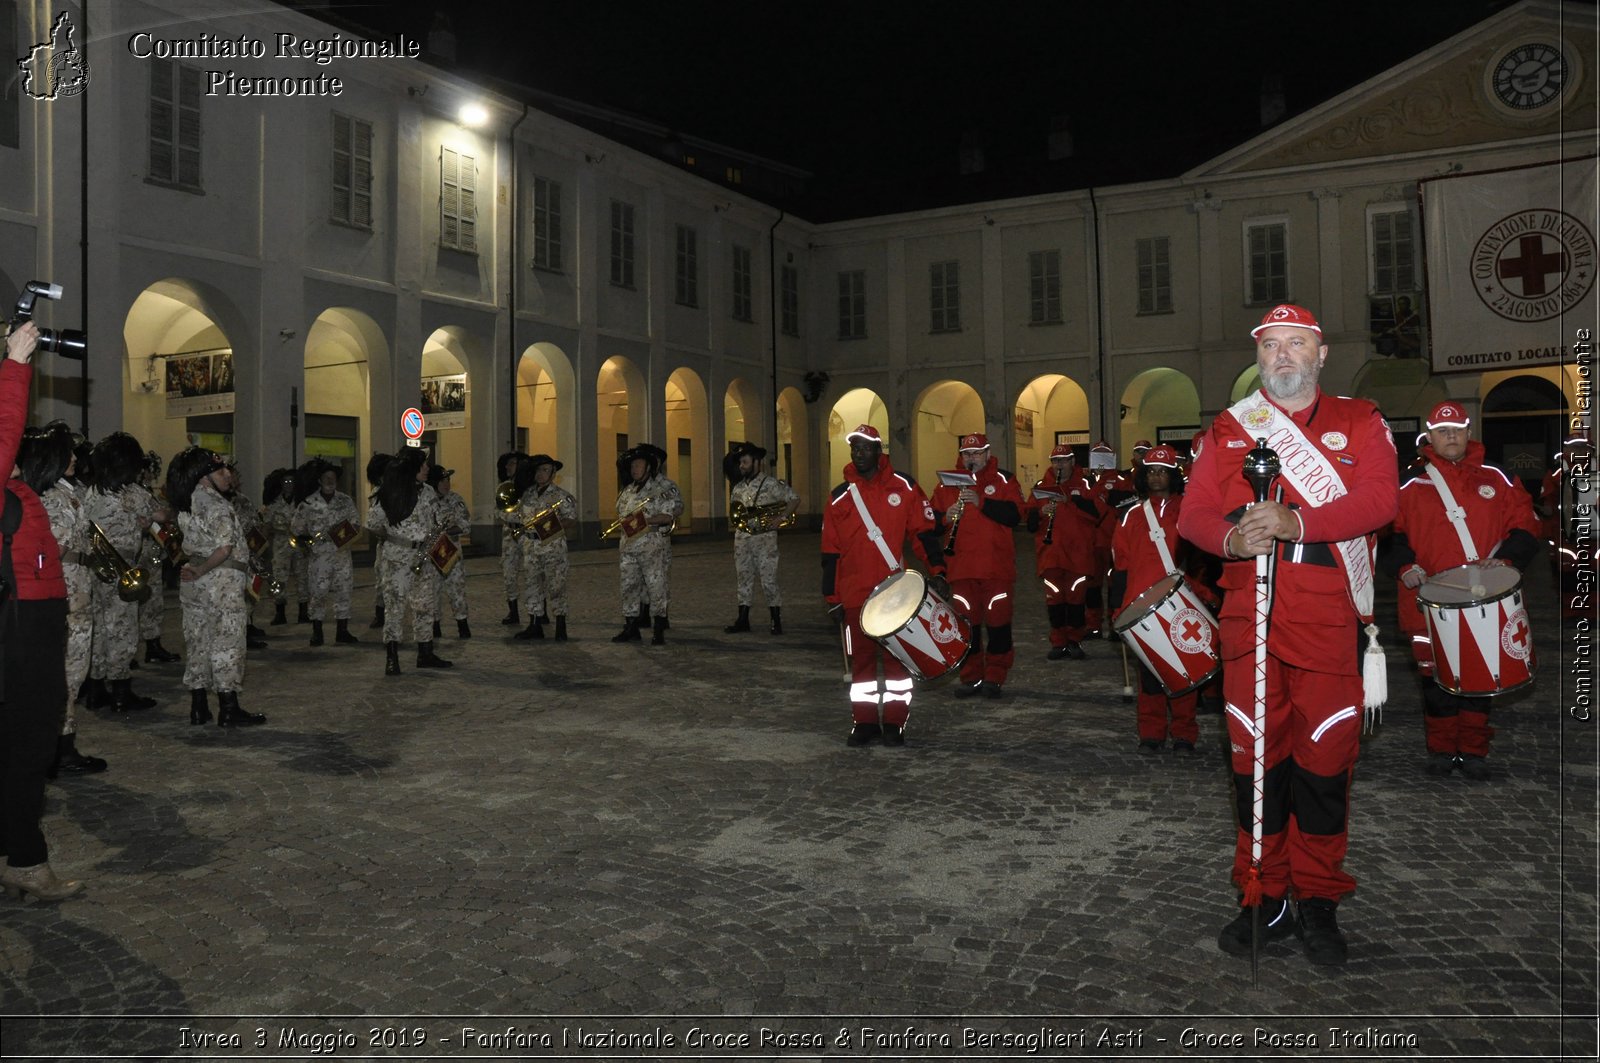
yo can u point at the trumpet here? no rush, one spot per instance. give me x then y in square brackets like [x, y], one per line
[304, 543]
[519, 530]
[616, 526]
[439, 528]
[507, 497]
[133, 581]
[753, 520]
[261, 568]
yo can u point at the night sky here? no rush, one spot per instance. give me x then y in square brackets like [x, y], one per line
[879, 92]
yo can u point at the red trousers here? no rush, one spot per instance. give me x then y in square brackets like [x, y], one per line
[1064, 595]
[1313, 735]
[985, 603]
[865, 699]
[1155, 705]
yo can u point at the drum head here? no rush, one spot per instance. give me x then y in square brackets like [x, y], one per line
[1137, 609]
[1467, 585]
[892, 603]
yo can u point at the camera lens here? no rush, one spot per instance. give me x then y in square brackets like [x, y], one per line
[68, 342]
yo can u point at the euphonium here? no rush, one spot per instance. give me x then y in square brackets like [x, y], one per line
[507, 497]
[753, 520]
[133, 581]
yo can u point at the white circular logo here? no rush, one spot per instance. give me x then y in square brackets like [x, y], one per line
[1534, 265]
[1486, 490]
[1191, 633]
[943, 624]
[894, 499]
[989, 489]
[1335, 440]
[1516, 638]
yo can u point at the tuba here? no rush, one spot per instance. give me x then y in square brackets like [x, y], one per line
[133, 581]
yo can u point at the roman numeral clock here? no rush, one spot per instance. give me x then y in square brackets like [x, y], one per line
[1531, 77]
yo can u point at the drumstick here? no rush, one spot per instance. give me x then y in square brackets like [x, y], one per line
[1127, 676]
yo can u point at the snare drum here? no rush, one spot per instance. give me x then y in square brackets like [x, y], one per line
[907, 617]
[1172, 632]
[1482, 644]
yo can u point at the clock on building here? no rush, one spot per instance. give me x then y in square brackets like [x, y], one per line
[1530, 75]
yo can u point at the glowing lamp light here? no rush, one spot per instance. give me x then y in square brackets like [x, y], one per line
[474, 115]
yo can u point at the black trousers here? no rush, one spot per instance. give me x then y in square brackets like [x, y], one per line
[35, 702]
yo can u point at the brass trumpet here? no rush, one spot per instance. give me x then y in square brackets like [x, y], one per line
[507, 497]
[519, 530]
[753, 520]
[616, 526]
[133, 581]
[261, 568]
[304, 543]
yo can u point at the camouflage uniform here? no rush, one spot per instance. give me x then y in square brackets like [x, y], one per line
[402, 549]
[646, 559]
[214, 605]
[757, 555]
[330, 568]
[453, 511]
[69, 523]
[511, 555]
[544, 569]
[153, 610]
[287, 562]
[123, 515]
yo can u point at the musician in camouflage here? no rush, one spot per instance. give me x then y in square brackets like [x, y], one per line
[123, 511]
[544, 548]
[46, 464]
[457, 520]
[320, 508]
[153, 556]
[409, 578]
[648, 506]
[511, 556]
[286, 563]
[211, 587]
[768, 502]
[249, 514]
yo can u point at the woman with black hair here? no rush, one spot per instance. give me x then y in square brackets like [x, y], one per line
[211, 587]
[277, 512]
[123, 509]
[46, 464]
[326, 517]
[512, 558]
[403, 515]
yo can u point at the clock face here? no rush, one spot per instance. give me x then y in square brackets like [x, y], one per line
[1530, 76]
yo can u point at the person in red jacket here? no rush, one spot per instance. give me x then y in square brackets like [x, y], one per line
[1339, 483]
[1112, 490]
[1144, 550]
[1500, 522]
[1064, 532]
[978, 525]
[869, 516]
[33, 648]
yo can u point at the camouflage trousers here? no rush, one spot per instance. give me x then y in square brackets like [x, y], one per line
[757, 556]
[453, 591]
[214, 608]
[331, 576]
[287, 564]
[511, 564]
[80, 634]
[116, 633]
[153, 611]
[544, 578]
[402, 587]
[646, 568]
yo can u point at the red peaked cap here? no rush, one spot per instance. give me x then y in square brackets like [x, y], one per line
[1289, 315]
[974, 441]
[1448, 415]
[867, 432]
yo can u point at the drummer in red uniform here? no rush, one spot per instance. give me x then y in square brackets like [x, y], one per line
[1491, 523]
[1144, 551]
[1064, 533]
[978, 524]
[864, 529]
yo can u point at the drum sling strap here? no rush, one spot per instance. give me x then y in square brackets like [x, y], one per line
[1158, 536]
[1457, 515]
[873, 531]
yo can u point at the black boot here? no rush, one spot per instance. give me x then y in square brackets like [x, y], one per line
[278, 616]
[436, 629]
[377, 618]
[777, 619]
[462, 630]
[511, 616]
[316, 632]
[1277, 922]
[199, 710]
[155, 653]
[229, 714]
[254, 632]
[254, 642]
[659, 636]
[98, 695]
[341, 633]
[69, 760]
[561, 629]
[303, 617]
[391, 663]
[123, 698]
[741, 624]
[644, 615]
[629, 632]
[1319, 929]
[534, 630]
[426, 658]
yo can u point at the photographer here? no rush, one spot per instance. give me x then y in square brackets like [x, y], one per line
[33, 646]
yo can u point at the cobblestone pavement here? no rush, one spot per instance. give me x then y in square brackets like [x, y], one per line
[628, 835]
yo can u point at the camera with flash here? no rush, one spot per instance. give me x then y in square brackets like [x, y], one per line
[67, 342]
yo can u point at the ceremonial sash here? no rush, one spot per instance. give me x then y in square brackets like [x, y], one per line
[1457, 515]
[1158, 536]
[1315, 479]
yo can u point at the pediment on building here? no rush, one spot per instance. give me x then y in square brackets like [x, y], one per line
[1497, 82]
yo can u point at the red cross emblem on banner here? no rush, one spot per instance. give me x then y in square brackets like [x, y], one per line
[1533, 265]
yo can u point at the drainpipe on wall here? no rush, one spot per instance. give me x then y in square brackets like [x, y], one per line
[511, 294]
[83, 227]
[772, 324]
[1099, 321]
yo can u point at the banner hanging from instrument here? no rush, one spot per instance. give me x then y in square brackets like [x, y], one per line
[199, 384]
[444, 400]
[1511, 265]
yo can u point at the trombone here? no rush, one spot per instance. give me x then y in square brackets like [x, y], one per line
[132, 581]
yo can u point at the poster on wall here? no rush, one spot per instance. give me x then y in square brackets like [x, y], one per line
[444, 401]
[199, 384]
[1022, 427]
[1511, 265]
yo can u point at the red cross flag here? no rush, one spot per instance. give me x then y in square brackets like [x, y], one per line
[1511, 265]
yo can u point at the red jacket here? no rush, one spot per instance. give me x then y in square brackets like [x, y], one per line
[1313, 620]
[1136, 562]
[851, 563]
[985, 542]
[1072, 533]
[35, 557]
[1499, 517]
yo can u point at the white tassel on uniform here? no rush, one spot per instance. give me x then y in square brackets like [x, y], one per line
[1374, 679]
